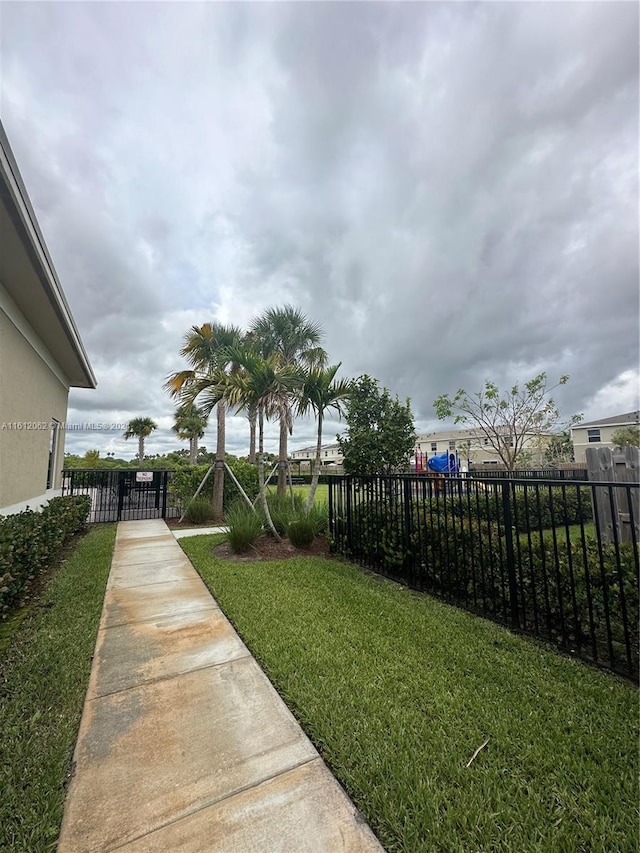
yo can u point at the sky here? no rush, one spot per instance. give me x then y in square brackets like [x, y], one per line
[449, 189]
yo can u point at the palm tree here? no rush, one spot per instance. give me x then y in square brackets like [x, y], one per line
[266, 385]
[206, 349]
[190, 424]
[319, 392]
[140, 428]
[296, 340]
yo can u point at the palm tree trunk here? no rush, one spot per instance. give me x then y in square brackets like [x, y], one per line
[282, 453]
[193, 449]
[261, 486]
[218, 473]
[140, 450]
[252, 436]
[316, 468]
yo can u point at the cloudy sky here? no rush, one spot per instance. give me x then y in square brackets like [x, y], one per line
[449, 189]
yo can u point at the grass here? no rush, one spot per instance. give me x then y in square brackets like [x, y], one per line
[44, 671]
[398, 690]
[321, 496]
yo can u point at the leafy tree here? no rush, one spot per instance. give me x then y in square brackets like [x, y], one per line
[626, 436]
[319, 392]
[91, 459]
[190, 424]
[287, 333]
[507, 419]
[380, 435]
[559, 449]
[206, 348]
[140, 428]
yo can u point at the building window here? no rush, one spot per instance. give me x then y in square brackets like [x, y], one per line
[486, 441]
[434, 446]
[490, 462]
[53, 452]
[593, 435]
[508, 440]
[452, 445]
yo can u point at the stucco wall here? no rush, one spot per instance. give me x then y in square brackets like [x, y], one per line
[30, 393]
[581, 440]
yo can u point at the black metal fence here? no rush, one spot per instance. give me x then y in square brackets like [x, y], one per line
[122, 494]
[487, 472]
[526, 552]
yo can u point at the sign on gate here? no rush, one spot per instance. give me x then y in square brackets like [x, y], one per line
[144, 476]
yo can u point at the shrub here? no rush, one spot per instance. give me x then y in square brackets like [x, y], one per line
[283, 512]
[31, 541]
[301, 532]
[186, 479]
[199, 510]
[319, 517]
[244, 527]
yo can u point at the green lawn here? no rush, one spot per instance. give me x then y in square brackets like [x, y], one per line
[44, 671]
[322, 492]
[398, 690]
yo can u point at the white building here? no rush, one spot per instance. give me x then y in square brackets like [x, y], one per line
[330, 455]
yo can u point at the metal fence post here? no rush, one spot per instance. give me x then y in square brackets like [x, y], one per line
[511, 560]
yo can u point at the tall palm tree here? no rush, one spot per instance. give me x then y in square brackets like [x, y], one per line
[296, 340]
[319, 392]
[190, 424]
[266, 384]
[206, 349]
[140, 428]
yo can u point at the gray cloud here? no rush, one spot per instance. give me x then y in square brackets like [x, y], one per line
[451, 190]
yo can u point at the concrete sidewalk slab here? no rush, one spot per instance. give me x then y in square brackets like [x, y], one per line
[184, 744]
[157, 571]
[160, 648]
[300, 811]
[137, 603]
[197, 531]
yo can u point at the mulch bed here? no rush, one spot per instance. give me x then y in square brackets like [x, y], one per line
[268, 548]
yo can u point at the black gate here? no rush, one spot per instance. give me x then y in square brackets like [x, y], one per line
[122, 495]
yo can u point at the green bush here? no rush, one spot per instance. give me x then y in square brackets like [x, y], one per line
[186, 479]
[245, 526]
[31, 541]
[301, 532]
[199, 510]
[319, 517]
[283, 512]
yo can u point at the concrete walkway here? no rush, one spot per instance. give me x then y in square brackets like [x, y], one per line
[184, 744]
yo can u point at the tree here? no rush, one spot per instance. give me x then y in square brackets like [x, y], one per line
[206, 348]
[140, 428]
[507, 419]
[91, 459]
[559, 449]
[626, 436]
[190, 424]
[380, 435]
[296, 340]
[319, 392]
[265, 384]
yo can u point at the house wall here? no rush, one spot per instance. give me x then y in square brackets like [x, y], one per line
[581, 439]
[475, 448]
[33, 391]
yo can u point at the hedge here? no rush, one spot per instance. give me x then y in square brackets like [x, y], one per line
[31, 541]
[185, 481]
